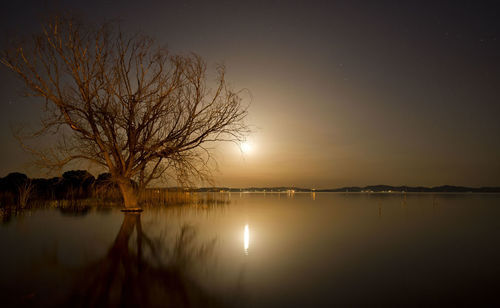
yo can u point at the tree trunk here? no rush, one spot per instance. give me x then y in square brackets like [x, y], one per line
[129, 195]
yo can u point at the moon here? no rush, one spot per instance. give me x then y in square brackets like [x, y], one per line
[246, 147]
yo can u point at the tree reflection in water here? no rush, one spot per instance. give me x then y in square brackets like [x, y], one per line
[145, 273]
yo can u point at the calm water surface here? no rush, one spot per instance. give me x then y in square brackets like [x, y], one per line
[260, 250]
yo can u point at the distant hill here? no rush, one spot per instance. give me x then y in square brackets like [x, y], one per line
[444, 188]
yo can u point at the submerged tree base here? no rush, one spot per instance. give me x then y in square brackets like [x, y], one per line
[131, 209]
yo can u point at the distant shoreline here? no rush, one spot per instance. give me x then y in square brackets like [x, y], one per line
[356, 189]
[344, 192]
[79, 179]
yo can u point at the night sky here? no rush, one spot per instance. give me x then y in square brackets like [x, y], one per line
[343, 92]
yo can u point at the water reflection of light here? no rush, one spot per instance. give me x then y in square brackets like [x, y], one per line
[246, 239]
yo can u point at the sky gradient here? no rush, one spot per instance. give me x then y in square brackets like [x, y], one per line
[343, 92]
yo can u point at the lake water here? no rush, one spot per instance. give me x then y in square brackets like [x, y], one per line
[260, 250]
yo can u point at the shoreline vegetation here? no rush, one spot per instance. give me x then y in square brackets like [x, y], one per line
[78, 189]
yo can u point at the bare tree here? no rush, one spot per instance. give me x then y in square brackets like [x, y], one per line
[125, 103]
